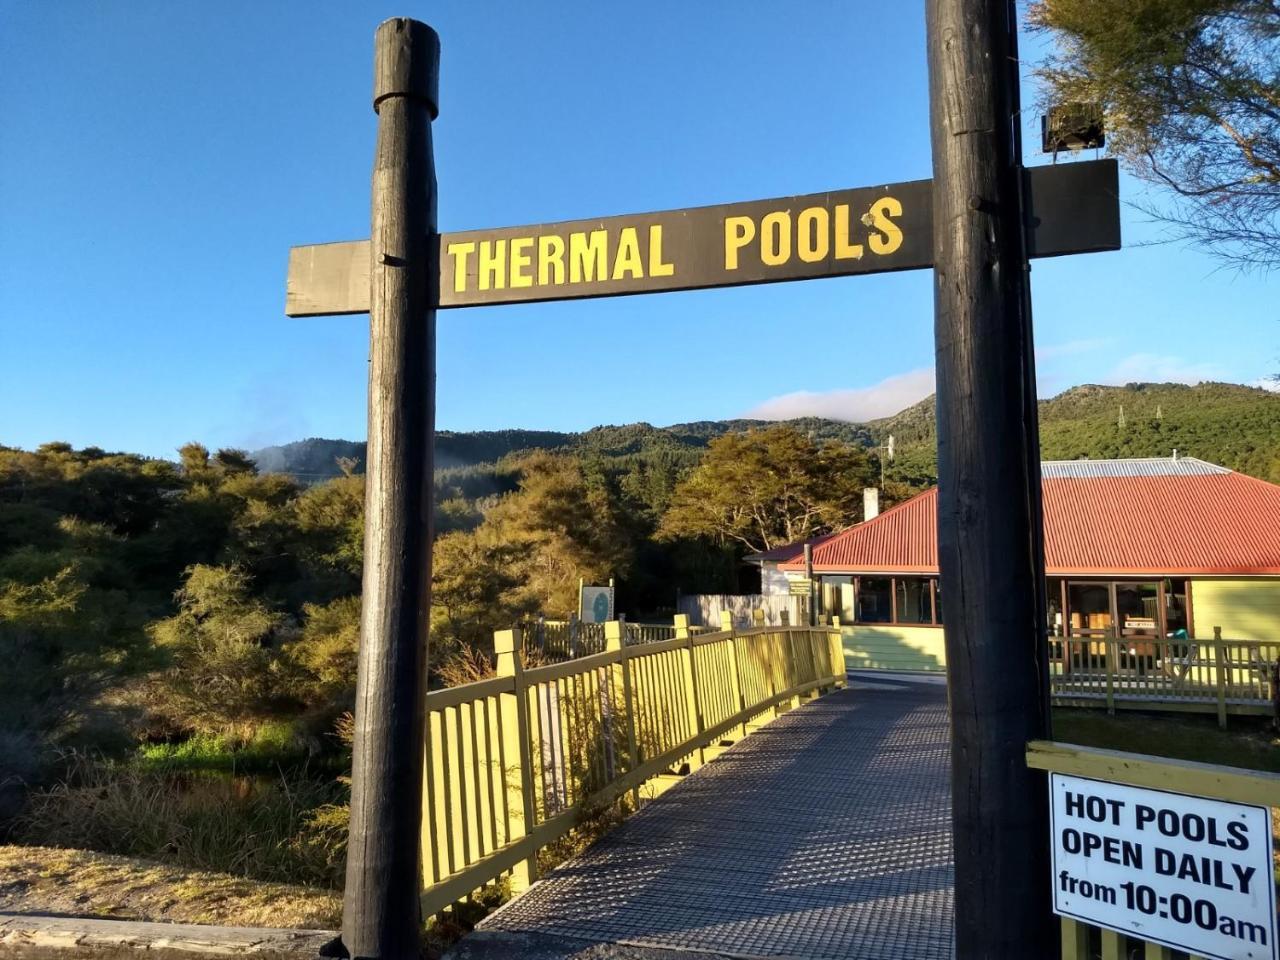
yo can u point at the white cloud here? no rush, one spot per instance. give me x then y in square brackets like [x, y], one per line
[1157, 368]
[1070, 348]
[863, 403]
[1267, 383]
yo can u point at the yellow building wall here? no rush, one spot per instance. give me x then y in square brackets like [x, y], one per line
[1244, 609]
[885, 647]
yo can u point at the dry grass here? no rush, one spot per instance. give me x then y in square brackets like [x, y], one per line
[274, 830]
[81, 883]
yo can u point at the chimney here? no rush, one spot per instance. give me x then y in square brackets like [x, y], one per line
[870, 503]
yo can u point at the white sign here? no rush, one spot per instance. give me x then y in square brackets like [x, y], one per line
[1186, 872]
[597, 605]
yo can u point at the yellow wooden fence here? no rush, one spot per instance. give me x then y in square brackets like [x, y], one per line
[1151, 673]
[512, 762]
[1081, 941]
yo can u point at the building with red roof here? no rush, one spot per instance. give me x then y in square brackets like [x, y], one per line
[1133, 548]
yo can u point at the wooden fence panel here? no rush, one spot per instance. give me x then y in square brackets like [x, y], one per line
[511, 761]
[1220, 675]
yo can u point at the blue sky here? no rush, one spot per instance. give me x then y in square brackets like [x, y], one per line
[158, 159]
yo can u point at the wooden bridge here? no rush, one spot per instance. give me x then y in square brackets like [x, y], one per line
[826, 835]
[787, 814]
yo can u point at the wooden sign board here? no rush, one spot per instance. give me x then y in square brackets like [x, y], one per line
[800, 588]
[1074, 208]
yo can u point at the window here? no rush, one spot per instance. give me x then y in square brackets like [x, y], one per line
[875, 600]
[1054, 596]
[1137, 606]
[1089, 605]
[910, 601]
[836, 596]
[912, 595]
[1175, 608]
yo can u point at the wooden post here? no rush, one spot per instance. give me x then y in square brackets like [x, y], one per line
[380, 916]
[735, 675]
[990, 527]
[1275, 695]
[1221, 663]
[1111, 645]
[1113, 945]
[689, 667]
[615, 642]
[517, 752]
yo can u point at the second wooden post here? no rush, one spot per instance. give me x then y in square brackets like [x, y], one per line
[989, 516]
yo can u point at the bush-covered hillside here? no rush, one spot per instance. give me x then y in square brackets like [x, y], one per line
[316, 459]
[1225, 423]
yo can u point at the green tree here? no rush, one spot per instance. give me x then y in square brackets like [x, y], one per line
[564, 526]
[328, 523]
[63, 642]
[1191, 96]
[765, 488]
[326, 649]
[226, 670]
[476, 588]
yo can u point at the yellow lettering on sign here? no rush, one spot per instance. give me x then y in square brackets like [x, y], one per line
[812, 227]
[627, 259]
[775, 238]
[738, 232]
[460, 252]
[493, 263]
[845, 249]
[550, 259]
[656, 267]
[587, 256]
[521, 261]
[891, 240]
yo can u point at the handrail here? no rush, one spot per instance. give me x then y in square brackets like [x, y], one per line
[514, 761]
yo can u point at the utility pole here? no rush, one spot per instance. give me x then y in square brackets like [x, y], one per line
[380, 916]
[990, 525]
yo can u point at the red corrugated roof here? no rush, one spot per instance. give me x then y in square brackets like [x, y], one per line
[1214, 524]
[785, 551]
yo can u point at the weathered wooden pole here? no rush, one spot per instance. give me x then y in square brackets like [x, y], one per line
[989, 514]
[380, 910]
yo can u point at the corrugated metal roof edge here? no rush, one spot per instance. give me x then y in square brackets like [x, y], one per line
[794, 564]
[833, 568]
[1242, 572]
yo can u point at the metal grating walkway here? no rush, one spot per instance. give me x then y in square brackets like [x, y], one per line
[824, 835]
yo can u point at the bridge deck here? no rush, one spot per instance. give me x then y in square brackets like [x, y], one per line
[824, 835]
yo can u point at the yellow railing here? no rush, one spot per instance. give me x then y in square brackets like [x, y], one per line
[1081, 941]
[512, 762]
[1222, 676]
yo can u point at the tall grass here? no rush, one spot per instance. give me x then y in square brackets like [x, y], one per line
[263, 828]
[271, 746]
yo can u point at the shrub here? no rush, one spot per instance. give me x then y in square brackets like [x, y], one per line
[249, 826]
[226, 671]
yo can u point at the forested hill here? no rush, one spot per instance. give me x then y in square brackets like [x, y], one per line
[317, 459]
[1230, 424]
[1225, 423]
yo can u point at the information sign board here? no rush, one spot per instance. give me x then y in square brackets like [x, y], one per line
[1186, 872]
